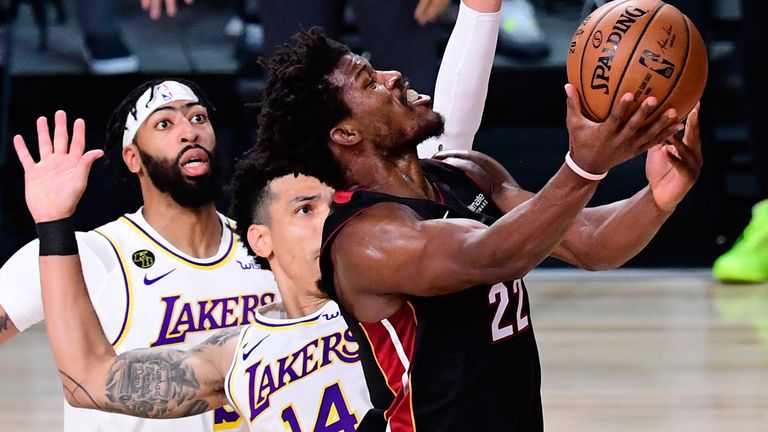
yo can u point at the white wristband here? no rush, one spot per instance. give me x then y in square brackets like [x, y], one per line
[578, 170]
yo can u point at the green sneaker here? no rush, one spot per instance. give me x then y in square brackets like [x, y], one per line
[747, 261]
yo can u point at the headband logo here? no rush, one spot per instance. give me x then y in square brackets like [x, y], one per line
[165, 93]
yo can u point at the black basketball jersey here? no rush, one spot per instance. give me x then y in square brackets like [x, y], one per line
[466, 361]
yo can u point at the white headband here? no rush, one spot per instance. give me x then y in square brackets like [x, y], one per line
[152, 99]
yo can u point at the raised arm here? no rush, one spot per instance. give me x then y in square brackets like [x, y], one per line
[607, 236]
[145, 383]
[409, 256]
[462, 83]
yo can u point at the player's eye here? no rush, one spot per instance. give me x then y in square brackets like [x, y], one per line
[162, 124]
[198, 118]
[305, 209]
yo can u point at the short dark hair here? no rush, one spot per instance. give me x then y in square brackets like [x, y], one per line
[252, 195]
[301, 105]
[113, 145]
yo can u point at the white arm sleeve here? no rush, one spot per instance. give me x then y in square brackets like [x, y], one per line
[20, 294]
[462, 83]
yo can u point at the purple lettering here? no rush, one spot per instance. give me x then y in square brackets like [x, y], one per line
[228, 310]
[285, 368]
[207, 320]
[250, 303]
[161, 339]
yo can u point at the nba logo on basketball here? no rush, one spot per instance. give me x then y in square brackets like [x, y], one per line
[646, 40]
[654, 62]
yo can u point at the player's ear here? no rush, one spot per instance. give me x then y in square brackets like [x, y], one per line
[345, 133]
[132, 158]
[260, 240]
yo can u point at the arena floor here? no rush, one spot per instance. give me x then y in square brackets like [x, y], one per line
[628, 350]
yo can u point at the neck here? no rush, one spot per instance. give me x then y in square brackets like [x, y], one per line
[299, 298]
[196, 232]
[401, 176]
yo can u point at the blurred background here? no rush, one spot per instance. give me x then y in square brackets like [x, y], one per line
[84, 58]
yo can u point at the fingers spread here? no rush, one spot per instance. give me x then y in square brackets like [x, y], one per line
[89, 158]
[23, 153]
[170, 7]
[78, 138]
[44, 138]
[154, 9]
[60, 133]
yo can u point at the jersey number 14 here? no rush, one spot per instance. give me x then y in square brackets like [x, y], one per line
[333, 415]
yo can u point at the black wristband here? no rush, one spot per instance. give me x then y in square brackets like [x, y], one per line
[57, 237]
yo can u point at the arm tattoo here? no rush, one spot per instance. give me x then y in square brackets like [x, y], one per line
[73, 392]
[220, 338]
[4, 321]
[153, 383]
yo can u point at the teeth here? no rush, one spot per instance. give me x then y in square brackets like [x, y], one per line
[412, 96]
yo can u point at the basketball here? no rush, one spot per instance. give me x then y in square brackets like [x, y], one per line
[644, 47]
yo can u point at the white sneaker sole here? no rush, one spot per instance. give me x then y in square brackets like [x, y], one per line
[116, 66]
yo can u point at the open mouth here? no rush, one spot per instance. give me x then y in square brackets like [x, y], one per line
[415, 99]
[194, 162]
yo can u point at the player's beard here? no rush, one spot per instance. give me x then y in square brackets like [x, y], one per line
[193, 192]
[432, 125]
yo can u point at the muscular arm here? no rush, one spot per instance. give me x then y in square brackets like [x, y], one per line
[388, 252]
[391, 245]
[7, 329]
[142, 383]
[153, 383]
[602, 237]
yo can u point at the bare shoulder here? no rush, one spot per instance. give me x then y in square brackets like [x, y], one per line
[379, 223]
[371, 247]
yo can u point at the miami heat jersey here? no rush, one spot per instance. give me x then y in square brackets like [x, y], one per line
[298, 374]
[460, 362]
[158, 296]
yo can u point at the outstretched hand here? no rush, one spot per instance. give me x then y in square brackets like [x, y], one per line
[54, 186]
[155, 7]
[672, 169]
[598, 147]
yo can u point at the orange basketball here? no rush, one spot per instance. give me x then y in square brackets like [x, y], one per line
[645, 47]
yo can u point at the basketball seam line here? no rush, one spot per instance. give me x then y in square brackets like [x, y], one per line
[584, 51]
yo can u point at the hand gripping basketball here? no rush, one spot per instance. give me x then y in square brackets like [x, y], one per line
[598, 147]
[644, 47]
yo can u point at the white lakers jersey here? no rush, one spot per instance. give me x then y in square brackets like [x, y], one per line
[299, 375]
[160, 297]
